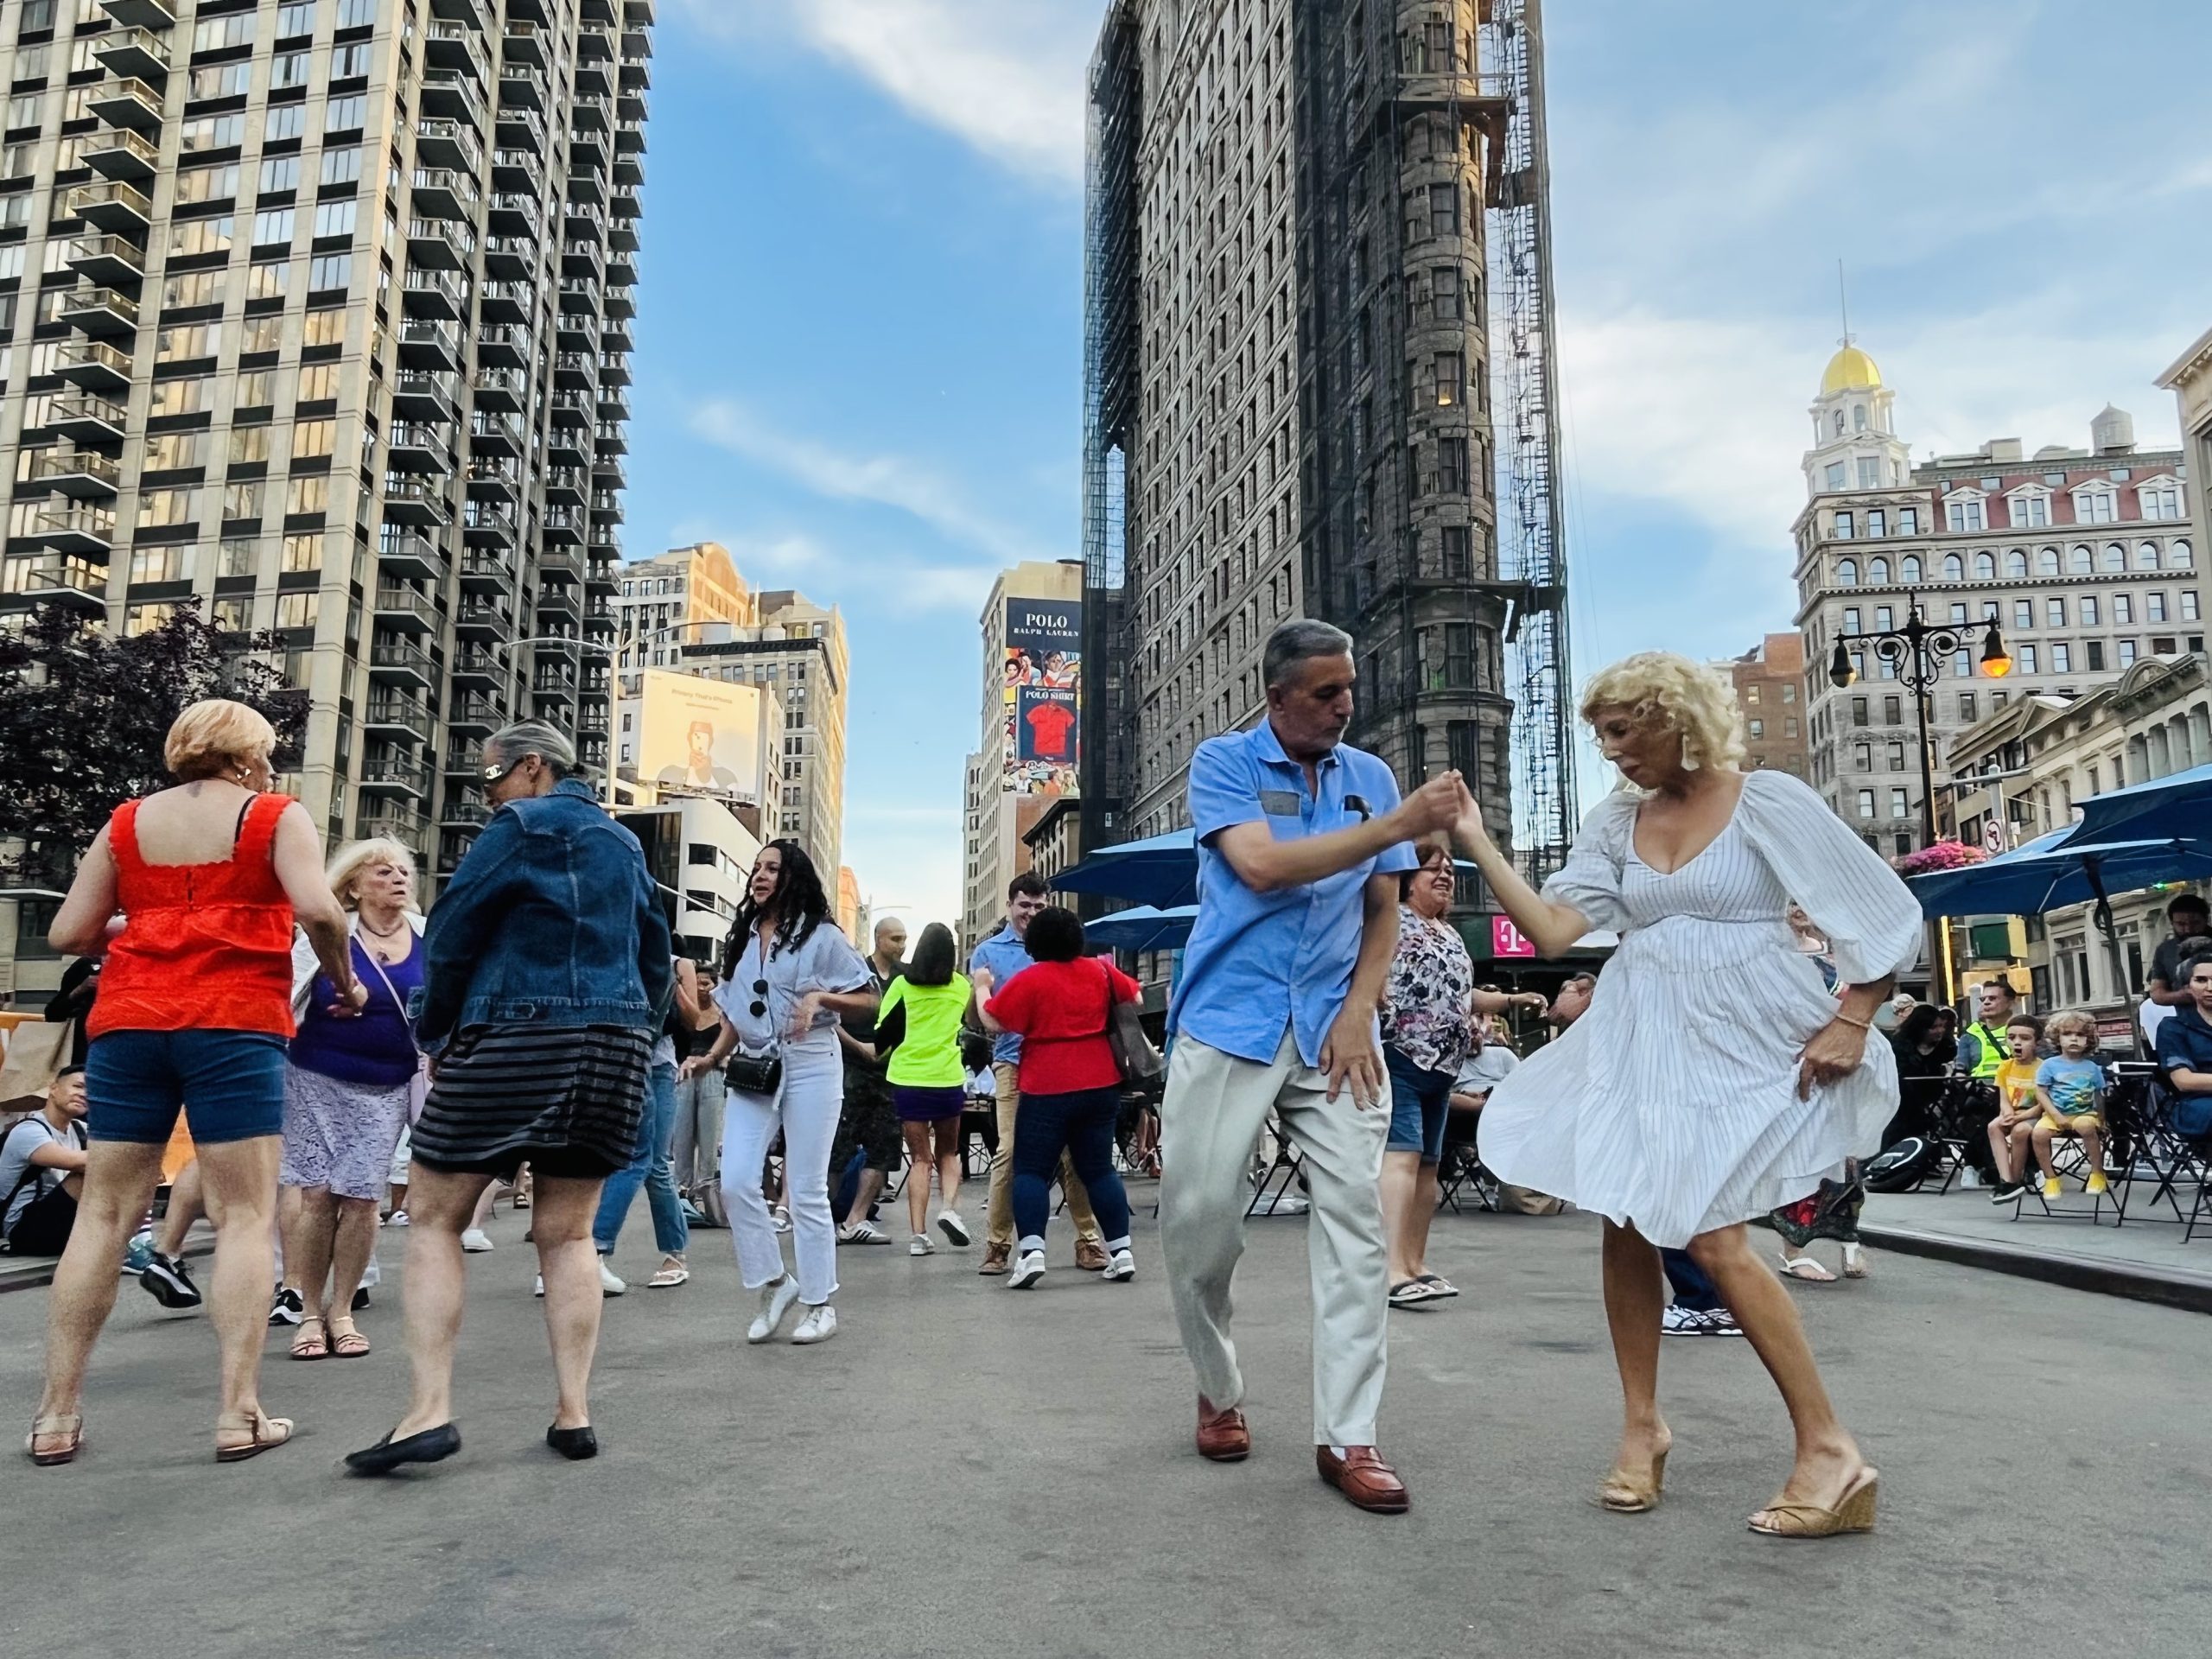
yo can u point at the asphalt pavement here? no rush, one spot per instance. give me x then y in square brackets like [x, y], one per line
[969, 1470]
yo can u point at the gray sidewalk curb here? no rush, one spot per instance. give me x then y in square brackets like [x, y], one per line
[38, 1271]
[2191, 1291]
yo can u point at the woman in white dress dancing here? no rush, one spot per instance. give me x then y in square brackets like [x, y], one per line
[1714, 1077]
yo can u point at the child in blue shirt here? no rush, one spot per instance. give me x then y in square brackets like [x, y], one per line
[2070, 1087]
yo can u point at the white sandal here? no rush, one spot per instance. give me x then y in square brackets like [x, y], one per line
[672, 1273]
[1803, 1267]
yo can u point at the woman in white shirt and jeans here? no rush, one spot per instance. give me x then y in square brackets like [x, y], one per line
[787, 973]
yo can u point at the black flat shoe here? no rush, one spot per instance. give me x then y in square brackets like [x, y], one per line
[574, 1443]
[431, 1446]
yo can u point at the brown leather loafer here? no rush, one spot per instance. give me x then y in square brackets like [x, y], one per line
[1090, 1255]
[1364, 1479]
[1222, 1437]
[995, 1258]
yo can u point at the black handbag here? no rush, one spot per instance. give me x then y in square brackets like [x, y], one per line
[1134, 1057]
[756, 1074]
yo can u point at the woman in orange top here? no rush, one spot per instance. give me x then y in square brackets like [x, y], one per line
[194, 1011]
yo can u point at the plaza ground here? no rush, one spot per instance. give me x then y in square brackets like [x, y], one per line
[968, 1470]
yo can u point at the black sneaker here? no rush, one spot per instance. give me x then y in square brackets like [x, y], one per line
[360, 1299]
[287, 1309]
[169, 1282]
[2007, 1192]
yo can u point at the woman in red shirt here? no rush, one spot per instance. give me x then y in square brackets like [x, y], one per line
[193, 1013]
[1070, 1086]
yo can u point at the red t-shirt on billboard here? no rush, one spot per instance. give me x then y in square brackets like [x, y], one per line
[1050, 722]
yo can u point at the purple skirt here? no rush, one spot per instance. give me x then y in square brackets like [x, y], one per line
[927, 1105]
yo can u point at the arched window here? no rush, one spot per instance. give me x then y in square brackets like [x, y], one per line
[2016, 563]
[2047, 562]
[1839, 423]
[2115, 556]
[1909, 567]
[2080, 562]
[2180, 555]
[1878, 573]
[1954, 567]
[1847, 573]
[1985, 566]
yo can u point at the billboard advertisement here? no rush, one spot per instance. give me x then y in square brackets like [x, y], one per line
[702, 736]
[1042, 687]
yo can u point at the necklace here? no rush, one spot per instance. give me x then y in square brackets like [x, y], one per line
[379, 933]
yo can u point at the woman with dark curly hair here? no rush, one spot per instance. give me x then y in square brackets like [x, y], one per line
[788, 973]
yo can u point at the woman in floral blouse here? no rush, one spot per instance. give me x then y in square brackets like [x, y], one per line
[1427, 1012]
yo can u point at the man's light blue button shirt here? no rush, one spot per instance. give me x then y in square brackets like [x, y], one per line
[1257, 961]
[1005, 954]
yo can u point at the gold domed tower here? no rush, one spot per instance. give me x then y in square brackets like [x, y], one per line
[1854, 445]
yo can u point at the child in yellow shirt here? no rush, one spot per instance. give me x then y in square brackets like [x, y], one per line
[2011, 1131]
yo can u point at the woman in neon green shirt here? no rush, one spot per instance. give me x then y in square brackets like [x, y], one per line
[921, 1014]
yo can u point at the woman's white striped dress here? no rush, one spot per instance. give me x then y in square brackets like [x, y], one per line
[1672, 1103]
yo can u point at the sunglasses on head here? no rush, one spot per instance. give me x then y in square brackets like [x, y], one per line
[759, 993]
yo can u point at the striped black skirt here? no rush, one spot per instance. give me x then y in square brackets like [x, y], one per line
[569, 1102]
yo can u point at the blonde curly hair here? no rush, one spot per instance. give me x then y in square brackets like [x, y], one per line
[1685, 697]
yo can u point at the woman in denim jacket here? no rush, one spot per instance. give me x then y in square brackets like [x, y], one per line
[546, 974]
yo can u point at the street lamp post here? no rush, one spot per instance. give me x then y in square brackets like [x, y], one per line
[1917, 650]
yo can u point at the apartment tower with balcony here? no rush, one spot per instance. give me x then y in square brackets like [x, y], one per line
[321, 316]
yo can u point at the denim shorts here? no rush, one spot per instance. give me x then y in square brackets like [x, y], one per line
[230, 1085]
[1421, 1105]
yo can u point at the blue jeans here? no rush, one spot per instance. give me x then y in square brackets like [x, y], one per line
[230, 1085]
[1082, 1124]
[651, 1169]
[1693, 1289]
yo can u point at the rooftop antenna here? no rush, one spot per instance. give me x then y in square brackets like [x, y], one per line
[1843, 302]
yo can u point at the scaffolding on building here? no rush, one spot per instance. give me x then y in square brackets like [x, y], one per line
[1524, 370]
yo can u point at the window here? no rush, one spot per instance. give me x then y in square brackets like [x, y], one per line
[196, 236]
[243, 500]
[2154, 607]
[1962, 664]
[280, 173]
[1897, 757]
[2094, 506]
[1444, 210]
[2031, 511]
[318, 383]
[289, 69]
[2179, 560]
[1969, 710]
[1907, 521]
[222, 34]
[311, 439]
[2078, 561]
[348, 62]
[2095, 650]
[1790, 693]
[1964, 514]
[163, 508]
[2028, 661]
[1878, 522]
[2047, 562]
[1893, 711]
[342, 165]
[1899, 806]
[2016, 563]
[2125, 653]
[309, 494]
[1444, 291]
[267, 279]
[346, 114]
[2088, 605]
[297, 610]
[1908, 569]
[1759, 729]
[1885, 617]
[249, 444]
[169, 451]
[2115, 557]
[2123, 607]
[1851, 623]
[221, 80]
[1843, 526]
[181, 344]
[261, 334]
[198, 184]
[2062, 658]
[1865, 803]
[1835, 475]
[185, 396]
[273, 228]
[1877, 572]
[1985, 566]
[2158, 501]
[2189, 605]
[2055, 613]
[336, 218]
[324, 328]
[284, 121]
[1870, 472]
[1847, 573]
[303, 552]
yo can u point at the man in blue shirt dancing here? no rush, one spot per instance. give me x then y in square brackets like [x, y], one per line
[1301, 841]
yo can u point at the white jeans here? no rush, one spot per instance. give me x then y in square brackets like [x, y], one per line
[806, 1108]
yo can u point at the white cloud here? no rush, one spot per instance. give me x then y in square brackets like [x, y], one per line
[1004, 76]
[894, 481]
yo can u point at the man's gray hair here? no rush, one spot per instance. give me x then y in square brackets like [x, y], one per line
[1300, 640]
[510, 743]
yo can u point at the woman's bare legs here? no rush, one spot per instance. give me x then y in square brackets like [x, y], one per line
[946, 1131]
[352, 1241]
[439, 1205]
[1827, 1458]
[918, 1177]
[240, 1179]
[119, 1179]
[186, 1205]
[562, 1210]
[308, 1215]
[1635, 1301]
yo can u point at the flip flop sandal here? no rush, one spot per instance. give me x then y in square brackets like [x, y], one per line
[1803, 1267]
[280, 1431]
[315, 1345]
[68, 1425]
[1438, 1285]
[1409, 1293]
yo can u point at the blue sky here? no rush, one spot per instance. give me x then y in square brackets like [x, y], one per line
[860, 328]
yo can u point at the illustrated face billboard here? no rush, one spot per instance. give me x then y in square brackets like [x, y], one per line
[700, 735]
[1042, 682]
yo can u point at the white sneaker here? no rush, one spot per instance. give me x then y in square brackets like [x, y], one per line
[863, 1232]
[1026, 1271]
[475, 1241]
[780, 1218]
[954, 1228]
[921, 1245]
[538, 1289]
[776, 1300]
[1281, 1204]
[396, 1218]
[819, 1324]
[608, 1284]
[1122, 1267]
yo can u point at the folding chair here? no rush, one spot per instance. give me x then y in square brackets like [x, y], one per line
[2159, 1153]
[1461, 1167]
[1280, 1174]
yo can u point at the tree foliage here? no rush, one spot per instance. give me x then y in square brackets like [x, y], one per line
[83, 717]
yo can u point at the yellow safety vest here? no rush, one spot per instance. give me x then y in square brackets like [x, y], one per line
[1994, 1051]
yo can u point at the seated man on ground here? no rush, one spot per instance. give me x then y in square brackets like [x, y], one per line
[42, 1170]
[2071, 1089]
[2011, 1131]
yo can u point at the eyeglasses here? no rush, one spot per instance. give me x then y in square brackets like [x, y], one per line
[759, 993]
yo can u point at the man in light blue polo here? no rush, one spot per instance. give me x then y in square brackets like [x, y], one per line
[1301, 841]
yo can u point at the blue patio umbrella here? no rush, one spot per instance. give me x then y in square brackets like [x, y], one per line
[1143, 928]
[2056, 870]
[2179, 804]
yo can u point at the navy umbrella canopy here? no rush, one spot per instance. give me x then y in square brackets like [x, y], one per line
[2057, 870]
[2178, 805]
